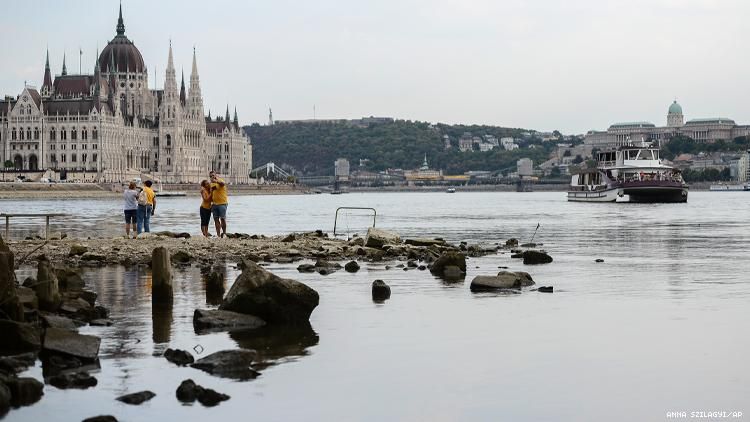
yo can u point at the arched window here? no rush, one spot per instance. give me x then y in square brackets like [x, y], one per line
[52, 134]
[94, 134]
[28, 109]
[21, 111]
[169, 141]
[73, 134]
[63, 135]
[20, 132]
[36, 133]
[28, 133]
[13, 135]
[84, 134]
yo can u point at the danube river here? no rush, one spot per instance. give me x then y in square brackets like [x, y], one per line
[660, 326]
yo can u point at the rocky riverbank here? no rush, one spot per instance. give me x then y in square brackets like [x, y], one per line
[40, 316]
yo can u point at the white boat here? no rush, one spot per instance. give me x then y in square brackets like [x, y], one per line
[450, 190]
[634, 171]
[729, 188]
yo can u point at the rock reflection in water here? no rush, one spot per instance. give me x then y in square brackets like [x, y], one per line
[214, 279]
[276, 342]
[161, 316]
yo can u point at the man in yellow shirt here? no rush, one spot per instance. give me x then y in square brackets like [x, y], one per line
[146, 207]
[219, 203]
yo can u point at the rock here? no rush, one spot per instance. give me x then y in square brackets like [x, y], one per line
[161, 279]
[351, 267]
[306, 268]
[377, 238]
[71, 343]
[56, 321]
[536, 257]
[18, 337]
[503, 280]
[424, 242]
[101, 418]
[289, 238]
[380, 291]
[53, 364]
[100, 322]
[219, 320]
[528, 245]
[24, 391]
[517, 255]
[511, 243]
[89, 256]
[88, 296]
[9, 304]
[47, 289]
[179, 357]
[412, 263]
[234, 364]
[182, 257]
[16, 364]
[453, 273]
[449, 258]
[598, 260]
[136, 398]
[69, 279]
[78, 380]
[76, 307]
[77, 250]
[357, 241]
[5, 399]
[422, 267]
[269, 297]
[545, 289]
[27, 297]
[189, 391]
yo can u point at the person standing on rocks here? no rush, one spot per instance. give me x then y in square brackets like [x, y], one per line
[146, 207]
[205, 208]
[130, 195]
[220, 200]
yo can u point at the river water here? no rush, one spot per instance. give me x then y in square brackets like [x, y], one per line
[660, 326]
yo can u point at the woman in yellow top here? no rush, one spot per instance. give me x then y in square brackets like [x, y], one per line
[205, 207]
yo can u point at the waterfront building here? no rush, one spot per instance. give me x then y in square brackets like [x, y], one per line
[110, 126]
[423, 174]
[341, 169]
[525, 167]
[700, 129]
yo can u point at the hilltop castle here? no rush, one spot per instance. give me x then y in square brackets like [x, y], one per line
[111, 127]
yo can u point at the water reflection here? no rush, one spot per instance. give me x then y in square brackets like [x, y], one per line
[161, 317]
[276, 343]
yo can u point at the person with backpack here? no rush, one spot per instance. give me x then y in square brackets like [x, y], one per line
[130, 196]
[146, 207]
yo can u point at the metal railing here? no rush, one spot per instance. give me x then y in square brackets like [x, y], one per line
[45, 215]
[335, 221]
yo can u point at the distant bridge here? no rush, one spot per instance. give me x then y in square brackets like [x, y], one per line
[269, 168]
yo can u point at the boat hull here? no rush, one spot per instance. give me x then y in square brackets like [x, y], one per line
[607, 195]
[656, 194]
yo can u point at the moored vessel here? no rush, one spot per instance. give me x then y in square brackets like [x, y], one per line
[634, 173]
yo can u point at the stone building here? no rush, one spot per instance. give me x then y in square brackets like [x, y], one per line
[111, 126]
[702, 130]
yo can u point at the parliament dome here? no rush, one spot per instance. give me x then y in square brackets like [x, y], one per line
[121, 51]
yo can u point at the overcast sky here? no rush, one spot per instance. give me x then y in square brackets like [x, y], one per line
[571, 65]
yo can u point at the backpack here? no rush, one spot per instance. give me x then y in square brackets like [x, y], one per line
[142, 198]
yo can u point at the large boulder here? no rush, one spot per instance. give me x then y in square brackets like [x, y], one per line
[270, 297]
[71, 343]
[380, 291]
[24, 391]
[447, 259]
[18, 337]
[503, 280]
[536, 257]
[218, 320]
[233, 364]
[377, 238]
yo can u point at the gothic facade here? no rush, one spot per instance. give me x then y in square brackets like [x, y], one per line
[111, 127]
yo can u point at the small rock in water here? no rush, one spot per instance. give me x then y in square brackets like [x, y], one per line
[189, 391]
[136, 398]
[79, 380]
[306, 268]
[233, 364]
[598, 260]
[422, 267]
[351, 267]
[100, 322]
[546, 289]
[179, 357]
[24, 391]
[101, 418]
[380, 290]
[536, 257]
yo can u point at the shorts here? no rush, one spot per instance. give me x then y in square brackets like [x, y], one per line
[130, 216]
[219, 211]
[205, 216]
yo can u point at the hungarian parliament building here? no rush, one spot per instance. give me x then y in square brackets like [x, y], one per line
[110, 127]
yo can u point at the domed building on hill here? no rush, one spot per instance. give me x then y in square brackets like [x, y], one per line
[110, 126]
[703, 130]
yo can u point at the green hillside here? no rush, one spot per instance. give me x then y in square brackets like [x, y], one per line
[312, 148]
